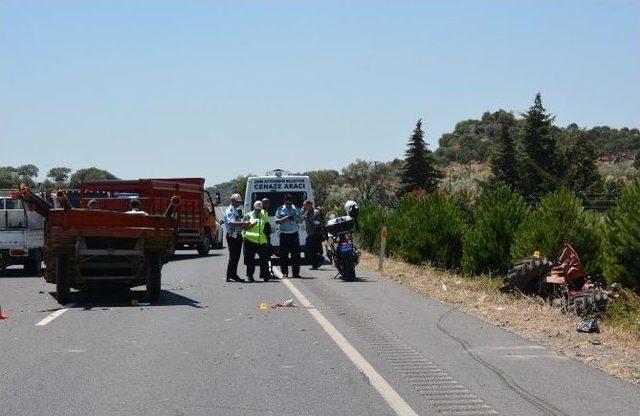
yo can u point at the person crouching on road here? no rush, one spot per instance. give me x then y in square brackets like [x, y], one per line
[288, 217]
[313, 243]
[234, 224]
[255, 242]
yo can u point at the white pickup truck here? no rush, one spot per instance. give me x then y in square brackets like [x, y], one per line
[21, 235]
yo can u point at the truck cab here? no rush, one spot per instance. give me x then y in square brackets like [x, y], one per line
[21, 235]
[274, 185]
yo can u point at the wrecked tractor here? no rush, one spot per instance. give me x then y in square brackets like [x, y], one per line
[565, 283]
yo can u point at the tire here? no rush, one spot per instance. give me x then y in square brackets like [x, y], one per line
[63, 280]
[204, 246]
[154, 277]
[33, 265]
[527, 276]
[348, 268]
[171, 249]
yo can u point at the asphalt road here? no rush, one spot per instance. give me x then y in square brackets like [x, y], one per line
[370, 347]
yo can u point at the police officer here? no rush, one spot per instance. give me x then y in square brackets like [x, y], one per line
[255, 242]
[313, 243]
[234, 224]
[288, 217]
[266, 204]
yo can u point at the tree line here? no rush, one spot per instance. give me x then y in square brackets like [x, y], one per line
[56, 178]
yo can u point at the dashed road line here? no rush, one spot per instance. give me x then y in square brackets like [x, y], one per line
[54, 315]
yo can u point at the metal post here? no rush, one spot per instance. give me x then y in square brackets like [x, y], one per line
[383, 247]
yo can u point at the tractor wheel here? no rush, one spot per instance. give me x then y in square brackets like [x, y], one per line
[63, 281]
[33, 266]
[154, 275]
[204, 246]
[527, 276]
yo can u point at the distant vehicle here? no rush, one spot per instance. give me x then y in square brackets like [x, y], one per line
[274, 186]
[21, 235]
[197, 224]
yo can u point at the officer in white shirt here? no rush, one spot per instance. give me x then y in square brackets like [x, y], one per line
[234, 224]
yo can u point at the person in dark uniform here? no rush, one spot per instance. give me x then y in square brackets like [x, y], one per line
[234, 225]
[287, 218]
[313, 243]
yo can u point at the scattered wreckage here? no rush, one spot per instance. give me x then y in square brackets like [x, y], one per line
[565, 284]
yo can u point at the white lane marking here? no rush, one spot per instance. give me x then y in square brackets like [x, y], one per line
[393, 399]
[54, 315]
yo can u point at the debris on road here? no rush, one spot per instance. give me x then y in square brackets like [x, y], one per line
[263, 306]
[286, 304]
[2, 314]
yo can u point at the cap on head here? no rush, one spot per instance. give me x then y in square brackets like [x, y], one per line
[257, 205]
[236, 197]
[288, 199]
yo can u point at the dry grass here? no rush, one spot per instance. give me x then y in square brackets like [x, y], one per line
[614, 351]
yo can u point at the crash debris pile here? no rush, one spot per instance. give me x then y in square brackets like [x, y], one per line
[564, 284]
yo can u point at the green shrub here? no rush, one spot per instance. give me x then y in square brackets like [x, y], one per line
[487, 243]
[621, 245]
[624, 312]
[427, 229]
[370, 222]
[559, 219]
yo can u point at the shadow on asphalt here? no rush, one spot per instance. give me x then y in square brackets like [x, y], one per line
[17, 272]
[125, 298]
[180, 257]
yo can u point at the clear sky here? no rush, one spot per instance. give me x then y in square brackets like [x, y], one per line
[216, 89]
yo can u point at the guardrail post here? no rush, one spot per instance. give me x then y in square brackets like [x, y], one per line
[383, 247]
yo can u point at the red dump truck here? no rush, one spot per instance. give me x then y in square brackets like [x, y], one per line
[197, 224]
[94, 248]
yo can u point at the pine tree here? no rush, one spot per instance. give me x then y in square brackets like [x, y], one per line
[622, 239]
[503, 158]
[581, 173]
[539, 165]
[420, 172]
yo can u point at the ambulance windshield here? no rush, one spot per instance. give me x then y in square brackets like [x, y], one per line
[276, 199]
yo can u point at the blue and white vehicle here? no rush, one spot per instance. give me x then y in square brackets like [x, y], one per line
[274, 185]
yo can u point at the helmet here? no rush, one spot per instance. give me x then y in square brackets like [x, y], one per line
[351, 208]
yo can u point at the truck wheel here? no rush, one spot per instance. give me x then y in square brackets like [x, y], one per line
[33, 265]
[171, 249]
[204, 246]
[63, 284]
[154, 274]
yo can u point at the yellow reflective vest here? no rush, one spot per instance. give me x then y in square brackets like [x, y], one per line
[255, 233]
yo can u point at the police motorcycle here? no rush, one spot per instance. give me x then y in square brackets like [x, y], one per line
[341, 249]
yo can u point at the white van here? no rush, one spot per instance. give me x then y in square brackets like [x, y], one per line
[274, 186]
[21, 235]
